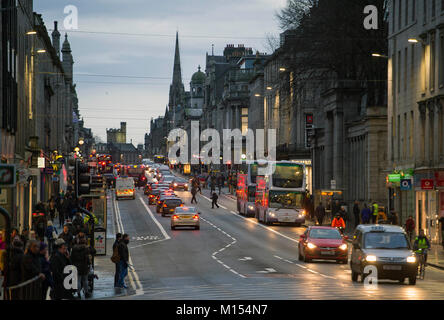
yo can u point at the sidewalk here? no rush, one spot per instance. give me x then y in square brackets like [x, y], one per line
[436, 257]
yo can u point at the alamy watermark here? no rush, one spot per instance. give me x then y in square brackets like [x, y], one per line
[71, 21]
[371, 20]
[210, 152]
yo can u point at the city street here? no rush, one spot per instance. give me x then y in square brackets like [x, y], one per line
[232, 257]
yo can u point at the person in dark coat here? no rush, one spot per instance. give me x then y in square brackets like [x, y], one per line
[31, 266]
[50, 232]
[220, 183]
[80, 259]
[15, 269]
[320, 213]
[46, 270]
[67, 237]
[116, 246]
[366, 214]
[214, 198]
[77, 223]
[58, 262]
[124, 260]
[193, 193]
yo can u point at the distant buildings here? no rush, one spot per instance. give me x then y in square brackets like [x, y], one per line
[116, 135]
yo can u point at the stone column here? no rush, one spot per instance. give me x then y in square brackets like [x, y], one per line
[338, 148]
[328, 150]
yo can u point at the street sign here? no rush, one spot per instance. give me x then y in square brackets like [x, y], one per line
[7, 176]
[406, 184]
[40, 162]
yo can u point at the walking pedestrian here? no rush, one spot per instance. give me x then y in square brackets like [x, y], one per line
[67, 237]
[124, 260]
[51, 236]
[46, 270]
[57, 263]
[441, 221]
[15, 265]
[117, 259]
[193, 193]
[80, 259]
[77, 223]
[24, 237]
[410, 227]
[375, 211]
[51, 208]
[31, 266]
[214, 198]
[356, 212]
[365, 214]
[320, 214]
[219, 183]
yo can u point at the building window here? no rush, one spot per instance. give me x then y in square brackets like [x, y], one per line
[432, 62]
[441, 61]
[412, 129]
[393, 15]
[244, 120]
[404, 133]
[405, 68]
[399, 71]
[406, 12]
[400, 15]
[414, 10]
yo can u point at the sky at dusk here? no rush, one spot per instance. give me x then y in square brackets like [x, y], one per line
[124, 50]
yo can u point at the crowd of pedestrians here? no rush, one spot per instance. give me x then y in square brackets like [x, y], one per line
[44, 252]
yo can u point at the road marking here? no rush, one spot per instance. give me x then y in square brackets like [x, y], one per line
[154, 219]
[132, 273]
[246, 259]
[222, 249]
[304, 267]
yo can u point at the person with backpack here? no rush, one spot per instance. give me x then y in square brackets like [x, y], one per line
[193, 193]
[115, 258]
[51, 235]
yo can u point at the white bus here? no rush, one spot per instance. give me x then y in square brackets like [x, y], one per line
[280, 195]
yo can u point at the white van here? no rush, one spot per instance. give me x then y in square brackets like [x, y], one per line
[125, 188]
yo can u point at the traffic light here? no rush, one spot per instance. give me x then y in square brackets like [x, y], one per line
[82, 178]
[97, 182]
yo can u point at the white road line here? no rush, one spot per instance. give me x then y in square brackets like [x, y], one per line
[132, 273]
[154, 219]
[226, 247]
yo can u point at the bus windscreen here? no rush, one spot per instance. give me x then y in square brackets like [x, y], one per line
[285, 199]
[288, 175]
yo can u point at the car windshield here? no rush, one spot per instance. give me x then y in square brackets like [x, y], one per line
[186, 210]
[325, 234]
[173, 202]
[251, 193]
[385, 240]
[280, 199]
[288, 175]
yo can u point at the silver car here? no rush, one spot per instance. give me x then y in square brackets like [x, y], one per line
[185, 217]
[384, 252]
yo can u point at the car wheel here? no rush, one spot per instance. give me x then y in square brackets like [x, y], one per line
[354, 276]
[412, 280]
[306, 259]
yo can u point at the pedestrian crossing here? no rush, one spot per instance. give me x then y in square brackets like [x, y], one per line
[290, 288]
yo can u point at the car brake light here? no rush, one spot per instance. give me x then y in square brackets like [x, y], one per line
[196, 217]
[175, 217]
[164, 205]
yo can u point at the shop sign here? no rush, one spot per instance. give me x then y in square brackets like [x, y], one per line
[99, 243]
[439, 178]
[406, 184]
[396, 177]
[427, 184]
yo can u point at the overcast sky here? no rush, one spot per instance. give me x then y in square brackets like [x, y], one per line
[146, 61]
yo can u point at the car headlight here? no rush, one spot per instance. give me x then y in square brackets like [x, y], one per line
[303, 213]
[250, 207]
[411, 259]
[311, 245]
[186, 184]
[272, 214]
[175, 184]
[343, 246]
[370, 258]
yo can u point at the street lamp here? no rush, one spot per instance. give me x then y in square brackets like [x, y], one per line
[282, 69]
[31, 32]
[81, 141]
[269, 88]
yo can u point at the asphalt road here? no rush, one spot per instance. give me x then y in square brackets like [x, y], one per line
[232, 257]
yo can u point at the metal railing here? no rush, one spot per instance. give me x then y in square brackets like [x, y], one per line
[28, 290]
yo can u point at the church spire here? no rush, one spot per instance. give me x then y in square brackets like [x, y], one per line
[177, 72]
